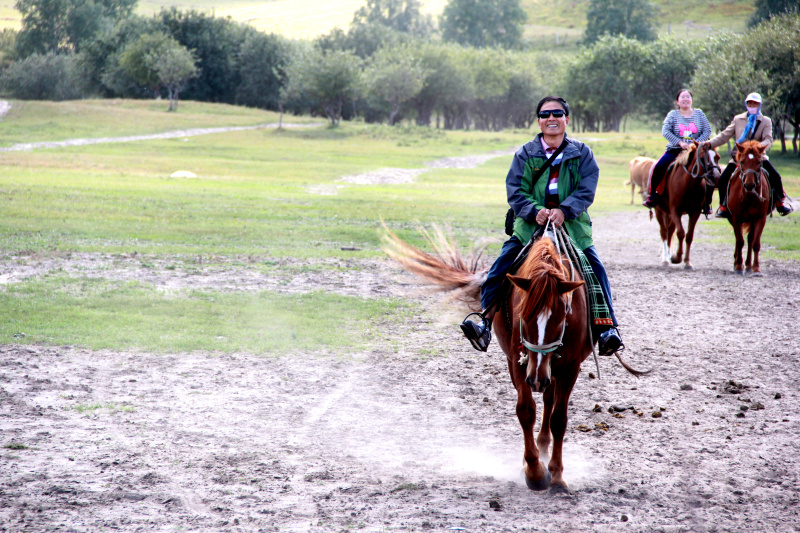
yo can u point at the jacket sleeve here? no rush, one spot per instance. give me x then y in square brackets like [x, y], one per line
[583, 195]
[705, 127]
[766, 136]
[521, 205]
[666, 129]
[723, 136]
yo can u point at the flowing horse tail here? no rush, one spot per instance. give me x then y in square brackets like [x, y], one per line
[446, 268]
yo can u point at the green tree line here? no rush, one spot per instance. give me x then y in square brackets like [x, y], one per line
[471, 70]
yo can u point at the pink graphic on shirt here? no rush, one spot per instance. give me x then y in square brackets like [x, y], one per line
[686, 131]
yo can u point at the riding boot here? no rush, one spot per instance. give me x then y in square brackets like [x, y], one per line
[478, 333]
[707, 201]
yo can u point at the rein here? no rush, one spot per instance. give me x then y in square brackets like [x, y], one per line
[758, 172]
[700, 169]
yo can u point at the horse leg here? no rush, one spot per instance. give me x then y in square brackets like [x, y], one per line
[737, 251]
[543, 439]
[536, 475]
[558, 427]
[663, 226]
[676, 222]
[755, 245]
[687, 264]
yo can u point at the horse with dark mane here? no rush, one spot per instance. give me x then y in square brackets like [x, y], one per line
[695, 169]
[749, 204]
[542, 325]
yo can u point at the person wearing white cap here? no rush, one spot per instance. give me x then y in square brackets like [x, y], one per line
[749, 126]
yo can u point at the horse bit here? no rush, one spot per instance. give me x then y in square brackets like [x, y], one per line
[542, 349]
[704, 170]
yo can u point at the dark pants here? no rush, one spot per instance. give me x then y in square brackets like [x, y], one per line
[661, 166]
[775, 181]
[509, 253]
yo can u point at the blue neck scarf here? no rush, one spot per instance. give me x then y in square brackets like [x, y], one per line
[751, 123]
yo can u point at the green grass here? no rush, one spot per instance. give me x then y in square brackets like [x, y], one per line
[98, 313]
[267, 201]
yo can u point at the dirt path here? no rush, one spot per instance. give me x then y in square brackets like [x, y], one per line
[402, 440]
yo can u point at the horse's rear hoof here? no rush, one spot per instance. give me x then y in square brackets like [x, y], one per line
[542, 484]
[559, 488]
[758, 274]
[665, 263]
[687, 266]
[675, 259]
[740, 272]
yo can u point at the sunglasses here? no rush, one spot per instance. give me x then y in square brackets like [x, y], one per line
[557, 113]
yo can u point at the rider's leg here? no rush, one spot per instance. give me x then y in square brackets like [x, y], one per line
[659, 169]
[610, 339]
[480, 333]
[777, 187]
[722, 185]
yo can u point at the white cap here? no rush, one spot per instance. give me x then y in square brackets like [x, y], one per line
[754, 97]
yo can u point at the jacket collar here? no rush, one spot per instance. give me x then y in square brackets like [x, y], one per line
[535, 148]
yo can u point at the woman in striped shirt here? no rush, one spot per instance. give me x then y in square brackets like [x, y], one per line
[681, 127]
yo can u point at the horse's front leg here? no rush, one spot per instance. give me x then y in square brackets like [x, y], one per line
[680, 233]
[737, 251]
[687, 264]
[536, 475]
[558, 427]
[543, 439]
[754, 245]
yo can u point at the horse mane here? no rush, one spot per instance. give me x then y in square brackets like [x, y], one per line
[544, 267]
[685, 157]
[749, 147]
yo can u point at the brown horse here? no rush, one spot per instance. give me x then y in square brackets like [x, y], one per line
[695, 169]
[749, 204]
[541, 325]
[639, 172]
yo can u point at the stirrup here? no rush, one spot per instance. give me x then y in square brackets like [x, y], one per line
[479, 335]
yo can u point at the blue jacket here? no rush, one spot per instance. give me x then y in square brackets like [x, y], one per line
[577, 183]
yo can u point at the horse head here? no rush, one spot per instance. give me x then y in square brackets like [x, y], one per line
[707, 163]
[543, 306]
[749, 157]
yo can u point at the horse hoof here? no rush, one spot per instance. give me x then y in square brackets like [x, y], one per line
[687, 266]
[740, 272]
[542, 484]
[675, 260]
[757, 274]
[665, 263]
[559, 488]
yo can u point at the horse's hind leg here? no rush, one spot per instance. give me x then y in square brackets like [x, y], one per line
[687, 264]
[738, 267]
[679, 231]
[754, 246]
[536, 475]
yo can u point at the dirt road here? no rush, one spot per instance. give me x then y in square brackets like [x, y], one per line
[419, 435]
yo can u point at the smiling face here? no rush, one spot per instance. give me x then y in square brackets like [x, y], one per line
[685, 100]
[551, 126]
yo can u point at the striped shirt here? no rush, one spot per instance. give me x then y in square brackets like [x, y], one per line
[676, 128]
[551, 192]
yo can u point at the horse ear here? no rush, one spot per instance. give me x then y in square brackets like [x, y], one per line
[522, 283]
[565, 287]
[739, 148]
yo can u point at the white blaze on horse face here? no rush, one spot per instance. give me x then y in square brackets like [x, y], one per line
[750, 156]
[541, 322]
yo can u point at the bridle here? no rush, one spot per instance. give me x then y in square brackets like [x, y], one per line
[757, 171]
[549, 347]
[703, 168]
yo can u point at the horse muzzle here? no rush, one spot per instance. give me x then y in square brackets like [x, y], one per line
[537, 386]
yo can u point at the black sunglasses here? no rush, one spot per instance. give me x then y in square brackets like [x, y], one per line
[558, 113]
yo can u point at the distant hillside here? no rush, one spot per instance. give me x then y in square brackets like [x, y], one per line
[547, 18]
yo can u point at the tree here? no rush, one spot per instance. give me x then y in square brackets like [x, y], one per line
[45, 77]
[629, 18]
[483, 23]
[666, 67]
[396, 76]
[324, 81]
[174, 66]
[403, 16]
[262, 69]
[766, 9]
[66, 25]
[136, 59]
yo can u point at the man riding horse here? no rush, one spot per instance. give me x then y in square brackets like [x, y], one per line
[552, 178]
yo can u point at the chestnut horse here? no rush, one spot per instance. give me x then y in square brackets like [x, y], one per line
[695, 169]
[541, 325]
[749, 204]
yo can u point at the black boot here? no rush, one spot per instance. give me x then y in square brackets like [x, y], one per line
[478, 333]
[610, 342]
[784, 207]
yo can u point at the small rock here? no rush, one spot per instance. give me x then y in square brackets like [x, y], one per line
[597, 408]
[756, 406]
[686, 386]
[623, 518]
[778, 396]
[656, 414]
[743, 408]
[740, 415]
[495, 504]
[591, 375]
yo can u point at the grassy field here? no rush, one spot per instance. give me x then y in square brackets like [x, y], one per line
[264, 200]
[305, 19]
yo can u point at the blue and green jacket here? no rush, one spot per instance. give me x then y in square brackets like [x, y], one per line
[577, 183]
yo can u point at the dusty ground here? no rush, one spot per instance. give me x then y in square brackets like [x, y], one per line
[386, 441]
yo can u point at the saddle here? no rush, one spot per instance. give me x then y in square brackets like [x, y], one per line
[599, 314]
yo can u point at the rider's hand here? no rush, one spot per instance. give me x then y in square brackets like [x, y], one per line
[557, 217]
[542, 216]
[683, 145]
